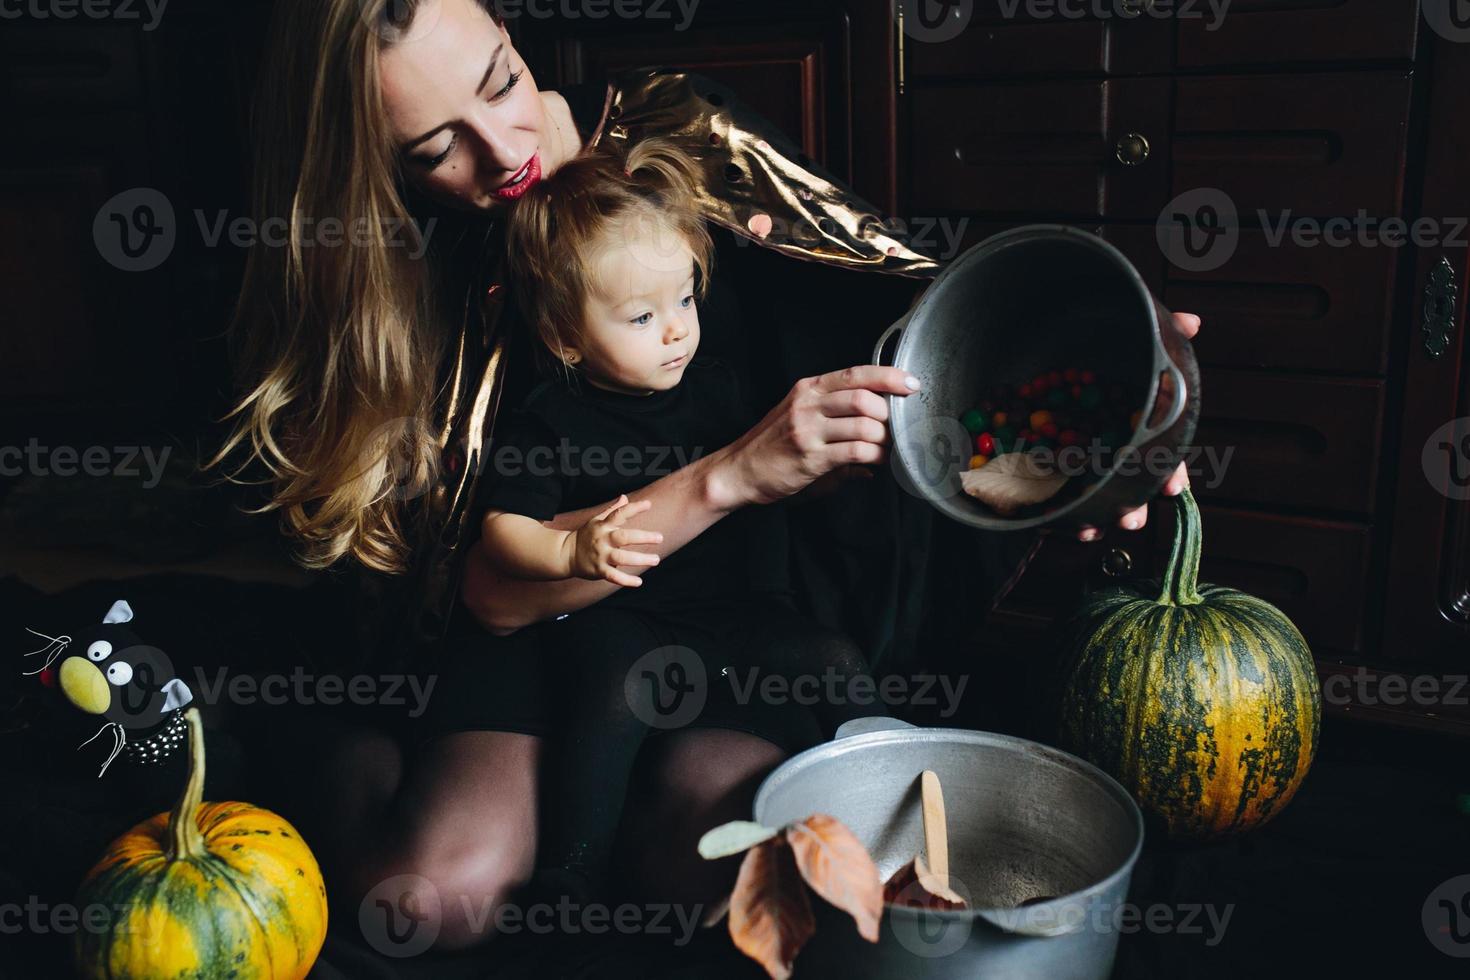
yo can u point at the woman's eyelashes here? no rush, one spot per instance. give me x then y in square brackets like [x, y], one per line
[431, 163]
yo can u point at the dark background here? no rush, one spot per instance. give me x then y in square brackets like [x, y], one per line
[1316, 371]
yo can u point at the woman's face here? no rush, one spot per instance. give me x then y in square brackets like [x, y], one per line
[471, 128]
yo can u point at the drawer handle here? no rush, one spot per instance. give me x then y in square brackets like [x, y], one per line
[1117, 563]
[1131, 150]
[1440, 295]
[1135, 7]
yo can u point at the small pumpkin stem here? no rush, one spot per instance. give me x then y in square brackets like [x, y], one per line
[1181, 575]
[185, 838]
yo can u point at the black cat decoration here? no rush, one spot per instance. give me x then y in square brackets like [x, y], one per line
[106, 670]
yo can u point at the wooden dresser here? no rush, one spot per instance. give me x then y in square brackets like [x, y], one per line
[1317, 375]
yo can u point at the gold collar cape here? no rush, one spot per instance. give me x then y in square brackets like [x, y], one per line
[756, 183]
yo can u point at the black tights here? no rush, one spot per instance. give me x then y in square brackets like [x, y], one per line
[620, 674]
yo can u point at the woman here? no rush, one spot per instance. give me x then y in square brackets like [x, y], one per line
[424, 109]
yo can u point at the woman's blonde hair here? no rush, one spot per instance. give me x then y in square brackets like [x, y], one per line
[337, 346]
[557, 230]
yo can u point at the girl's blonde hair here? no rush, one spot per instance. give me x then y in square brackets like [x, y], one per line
[338, 346]
[556, 232]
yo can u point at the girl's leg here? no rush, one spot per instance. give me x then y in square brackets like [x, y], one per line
[814, 660]
[605, 707]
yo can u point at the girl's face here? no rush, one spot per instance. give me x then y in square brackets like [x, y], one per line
[471, 129]
[640, 327]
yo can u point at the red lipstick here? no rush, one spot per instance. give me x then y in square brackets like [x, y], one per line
[521, 181]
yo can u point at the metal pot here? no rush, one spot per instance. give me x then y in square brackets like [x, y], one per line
[1021, 303]
[1042, 845]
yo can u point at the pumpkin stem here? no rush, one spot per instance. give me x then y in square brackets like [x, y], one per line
[185, 838]
[1181, 575]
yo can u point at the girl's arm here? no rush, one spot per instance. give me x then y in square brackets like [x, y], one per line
[823, 424]
[595, 548]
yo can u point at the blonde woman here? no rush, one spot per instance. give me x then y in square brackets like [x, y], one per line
[372, 371]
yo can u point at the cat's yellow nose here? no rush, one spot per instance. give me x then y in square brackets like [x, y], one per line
[84, 685]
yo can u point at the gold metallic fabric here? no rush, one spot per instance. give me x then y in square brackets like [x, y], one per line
[756, 183]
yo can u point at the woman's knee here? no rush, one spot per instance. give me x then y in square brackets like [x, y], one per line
[463, 844]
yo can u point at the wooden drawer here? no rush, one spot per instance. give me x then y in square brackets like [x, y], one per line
[1065, 569]
[1296, 441]
[1315, 571]
[1321, 308]
[1037, 149]
[73, 64]
[994, 43]
[1313, 145]
[1260, 32]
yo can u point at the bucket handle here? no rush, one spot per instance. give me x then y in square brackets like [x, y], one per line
[866, 726]
[889, 335]
[1164, 363]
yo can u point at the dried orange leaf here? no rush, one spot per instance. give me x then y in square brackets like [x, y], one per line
[913, 885]
[837, 866]
[770, 913]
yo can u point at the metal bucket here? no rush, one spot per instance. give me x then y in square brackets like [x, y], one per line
[1042, 845]
[1019, 304]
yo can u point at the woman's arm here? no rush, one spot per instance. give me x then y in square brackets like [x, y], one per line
[824, 424]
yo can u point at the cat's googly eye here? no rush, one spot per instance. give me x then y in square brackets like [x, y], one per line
[119, 673]
[100, 650]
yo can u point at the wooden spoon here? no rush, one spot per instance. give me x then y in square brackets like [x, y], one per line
[933, 878]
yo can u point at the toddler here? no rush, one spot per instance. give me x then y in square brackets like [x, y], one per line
[608, 257]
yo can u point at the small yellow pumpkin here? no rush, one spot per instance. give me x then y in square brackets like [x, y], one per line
[205, 891]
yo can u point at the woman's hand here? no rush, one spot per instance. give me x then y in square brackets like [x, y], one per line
[1188, 325]
[824, 425]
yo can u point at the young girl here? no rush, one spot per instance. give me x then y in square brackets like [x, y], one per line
[607, 258]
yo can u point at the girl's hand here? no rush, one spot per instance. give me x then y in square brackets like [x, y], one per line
[824, 424]
[1188, 325]
[597, 548]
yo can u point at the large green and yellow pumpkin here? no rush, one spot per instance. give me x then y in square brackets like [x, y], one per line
[1202, 700]
[205, 891]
